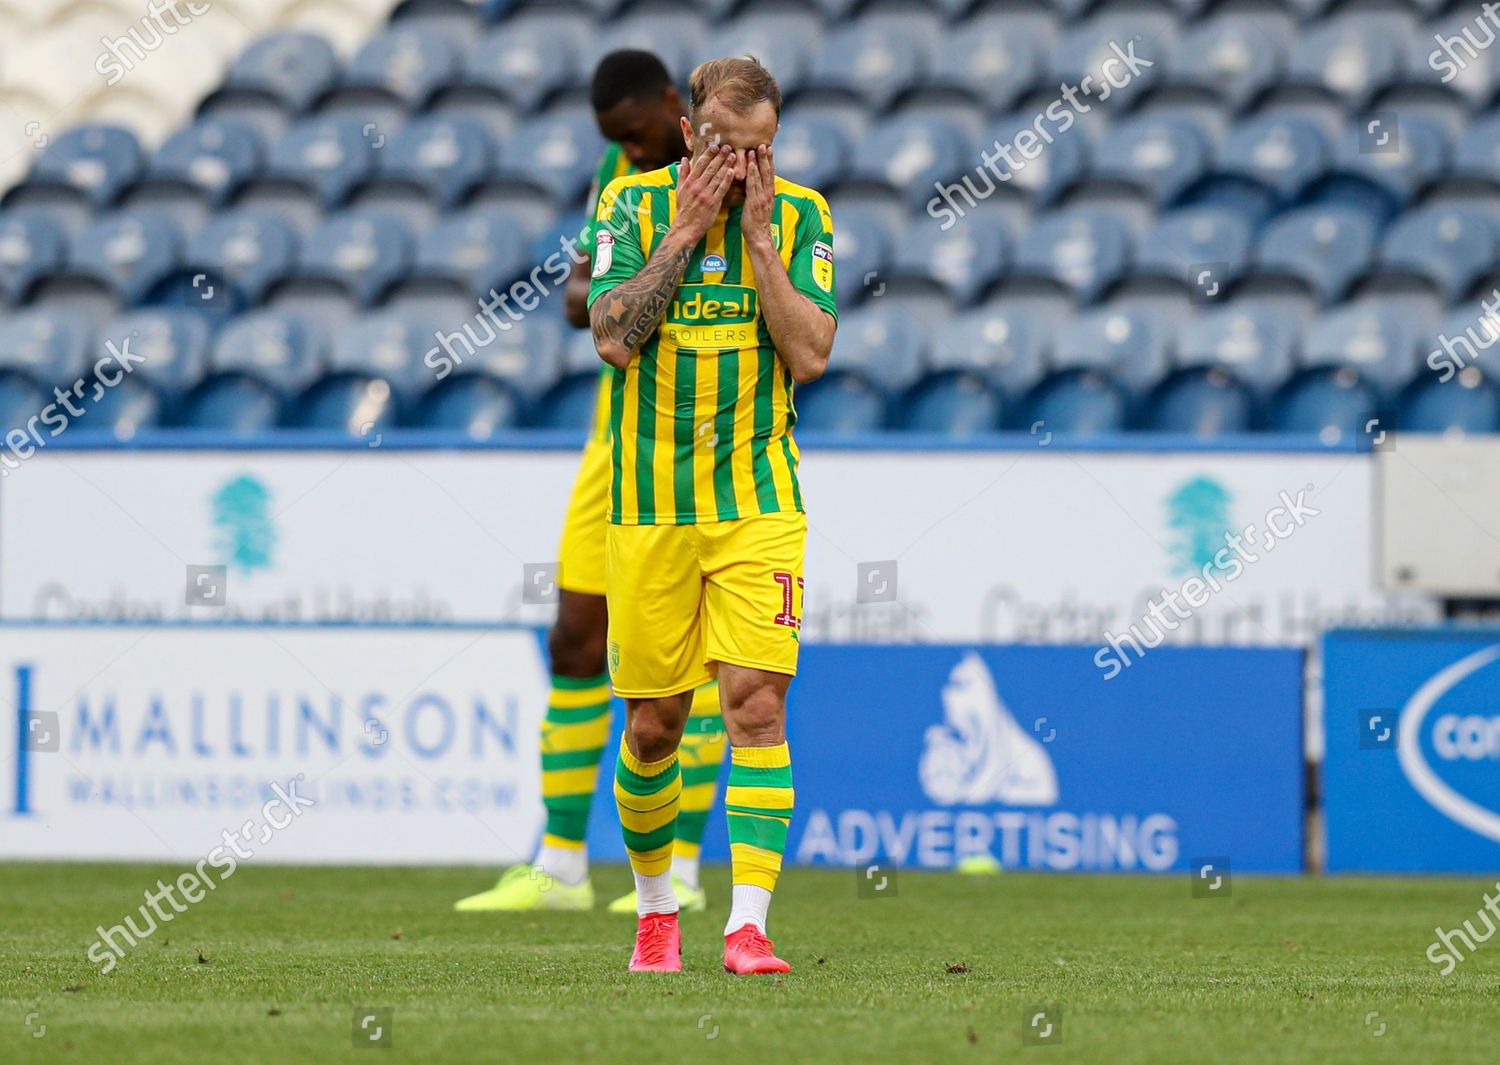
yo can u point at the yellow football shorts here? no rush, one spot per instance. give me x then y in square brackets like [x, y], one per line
[581, 556]
[683, 598]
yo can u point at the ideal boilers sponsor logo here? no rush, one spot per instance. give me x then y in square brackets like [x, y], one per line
[164, 746]
[1448, 742]
[997, 789]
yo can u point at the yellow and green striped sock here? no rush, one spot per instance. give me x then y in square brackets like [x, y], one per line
[647, 794]
[703, 745]
[574, 735]
[758, 805]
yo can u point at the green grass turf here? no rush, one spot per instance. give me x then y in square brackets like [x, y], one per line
[270, 967]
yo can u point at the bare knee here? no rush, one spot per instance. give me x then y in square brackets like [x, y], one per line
[754, 707]
[655, 726]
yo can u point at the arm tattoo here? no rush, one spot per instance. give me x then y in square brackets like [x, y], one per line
[632, 310]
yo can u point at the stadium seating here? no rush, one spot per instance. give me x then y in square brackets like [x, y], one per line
[1262, 231]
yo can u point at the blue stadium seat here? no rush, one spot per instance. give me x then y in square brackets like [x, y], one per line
[1077, 402]
[290, 69]
[1255, 343]
[1051, 170]
[1084, 250]
[953, 403]
[121, 411]
[1349, 59]
[675, 35]
[324, 156]
[1449, 246]
[171, 348]
[1128, 344]
[556, 153]
[1325, 247]
[910, 153]
[1007, 344]
[20, 399]
[1235, 56]
[231, 403]
[811, 151]
[404, 64]
[129, 251]
[353, 255]
[1160, 155]
[1477, 153]
[994, 60]
[1373, 338]
[840, 403]
[1185, 243]
[526, 62]
[214, 155]
[570, 402]
[1379, 169]
[473, 404]
[1263, 163]
[92, 162]
[31, 245]
[1201, 402]
[784, 44]
[282, 350]
[1476, 82]
[1330, 402]
[525, 355]
[862, 244]
[392, 346]
[867, 61]
[882, 343]
[1468, 403]
[964, 260]
[353, 403]
[440, 159]
[1086, 47]
[249, 249]
[50, 349]
[475, 251]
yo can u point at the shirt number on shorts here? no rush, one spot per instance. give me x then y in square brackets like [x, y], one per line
[787, 582]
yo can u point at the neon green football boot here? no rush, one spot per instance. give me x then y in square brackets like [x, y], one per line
[689, 898]
[529, 887]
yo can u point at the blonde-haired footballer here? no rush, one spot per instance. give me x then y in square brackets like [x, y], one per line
[639, 111]
[712, 295]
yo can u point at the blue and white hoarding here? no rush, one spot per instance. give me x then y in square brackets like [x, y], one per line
[922, 756]
[1412, 768]
[403, 745]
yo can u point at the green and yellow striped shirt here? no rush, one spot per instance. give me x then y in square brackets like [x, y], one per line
[701, 421]
[612, 164]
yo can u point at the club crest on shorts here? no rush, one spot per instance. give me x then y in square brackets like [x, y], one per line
[604, 252]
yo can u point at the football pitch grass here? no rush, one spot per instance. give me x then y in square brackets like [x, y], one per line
[272, 966]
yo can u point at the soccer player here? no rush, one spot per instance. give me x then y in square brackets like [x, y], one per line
[712, 294]
[640, 112]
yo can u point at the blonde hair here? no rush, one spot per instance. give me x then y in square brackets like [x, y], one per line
[740, 82]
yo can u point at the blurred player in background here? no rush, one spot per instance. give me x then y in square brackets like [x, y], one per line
[712, 293]
[640, 111]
